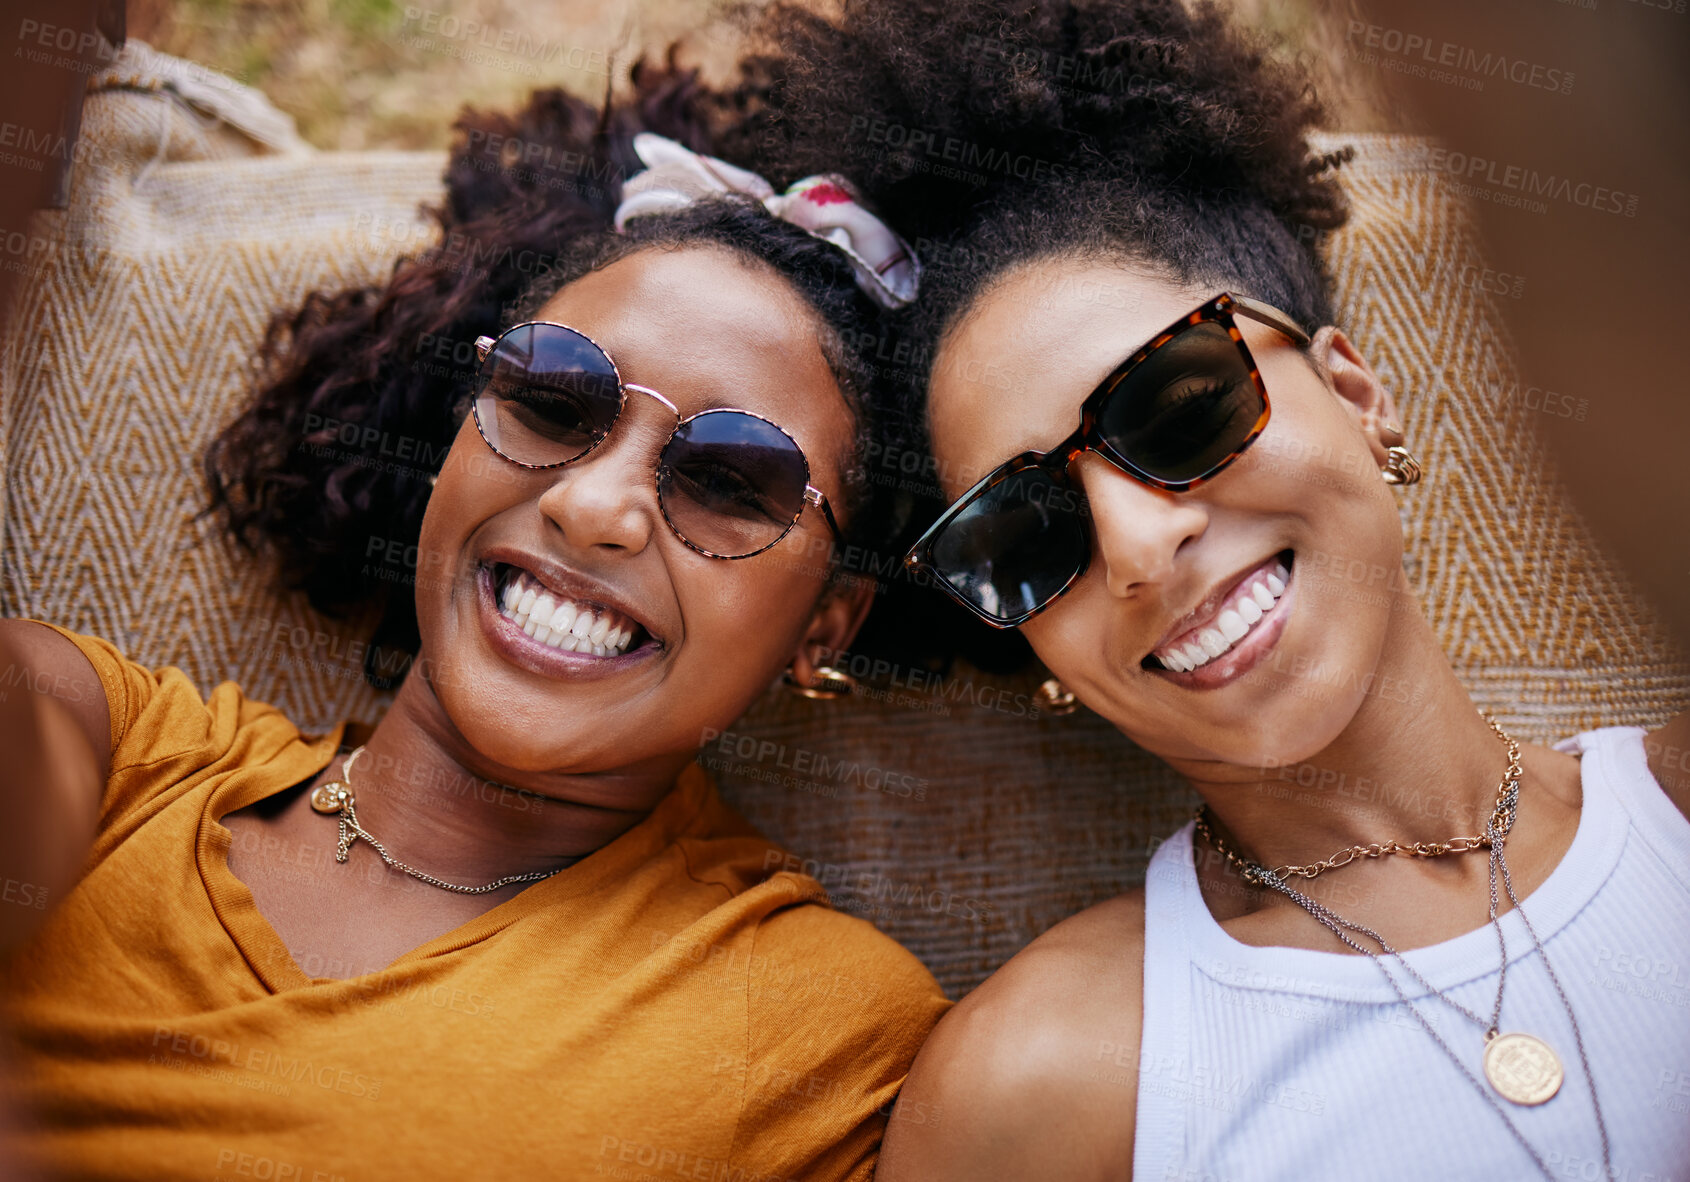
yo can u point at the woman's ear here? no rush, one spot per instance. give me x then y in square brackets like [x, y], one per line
[1358, 388]
[838, 615]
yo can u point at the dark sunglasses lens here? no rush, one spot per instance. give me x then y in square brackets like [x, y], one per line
[730, 483]
[1016, 546]
[545, 395]
[1187, 408]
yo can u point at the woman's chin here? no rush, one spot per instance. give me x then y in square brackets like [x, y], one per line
[1289, 719]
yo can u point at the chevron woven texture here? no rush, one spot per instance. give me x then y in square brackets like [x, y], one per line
[132, 344]
[945, 812]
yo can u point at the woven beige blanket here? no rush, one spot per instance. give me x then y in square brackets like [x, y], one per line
[937, 810]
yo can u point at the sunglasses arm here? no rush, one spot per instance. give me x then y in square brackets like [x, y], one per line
[1270, 316]
[815, 496]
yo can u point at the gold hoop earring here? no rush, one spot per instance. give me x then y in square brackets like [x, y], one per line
[1401, 467]
[1055, 698]
[833, 684]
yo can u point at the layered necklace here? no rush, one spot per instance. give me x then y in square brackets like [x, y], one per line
[336, 798]
[1521, 1068]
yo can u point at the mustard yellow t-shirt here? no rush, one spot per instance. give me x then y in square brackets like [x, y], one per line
[664, 1009]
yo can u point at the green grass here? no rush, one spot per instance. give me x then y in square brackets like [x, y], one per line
[363, 16]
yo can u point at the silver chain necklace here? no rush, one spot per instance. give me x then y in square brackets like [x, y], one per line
[336, 797]
[1521, 1067]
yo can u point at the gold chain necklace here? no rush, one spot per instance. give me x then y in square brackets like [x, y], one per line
[336, 797]
[1501, 821]
[1520, 1067]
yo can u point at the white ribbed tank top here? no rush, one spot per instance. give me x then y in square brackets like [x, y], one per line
[1266, 1063]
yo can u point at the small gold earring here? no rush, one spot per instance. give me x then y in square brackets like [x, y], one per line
[1401, 467]
[1055, 698]
[832, 684]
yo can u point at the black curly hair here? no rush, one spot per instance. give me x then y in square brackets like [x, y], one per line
[354, 377]
[1152, 131]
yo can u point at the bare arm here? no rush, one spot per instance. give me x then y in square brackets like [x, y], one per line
[56, 742]
[1035, 1074]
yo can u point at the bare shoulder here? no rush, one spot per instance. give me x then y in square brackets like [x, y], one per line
[32, 654]
[55, 746]
[1668, 751]
[1035, 1073]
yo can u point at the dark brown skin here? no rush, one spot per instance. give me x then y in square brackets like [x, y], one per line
[56, 735]
[1036, 1072]
[584, 759]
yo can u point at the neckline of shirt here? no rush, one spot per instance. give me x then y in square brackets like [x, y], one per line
[267, 953]
[1586, 865]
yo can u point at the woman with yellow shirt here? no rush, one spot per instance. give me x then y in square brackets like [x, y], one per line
[510, 931]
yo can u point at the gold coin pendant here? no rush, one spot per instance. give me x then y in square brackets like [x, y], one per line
[1522, 1068]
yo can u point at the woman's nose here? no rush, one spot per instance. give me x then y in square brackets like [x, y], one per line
[1137, 529]
[608, 498]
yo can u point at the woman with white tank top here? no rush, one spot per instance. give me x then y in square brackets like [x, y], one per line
[1396, 943]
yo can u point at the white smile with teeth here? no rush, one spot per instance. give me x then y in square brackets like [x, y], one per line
[561, 623]
[1246, 607]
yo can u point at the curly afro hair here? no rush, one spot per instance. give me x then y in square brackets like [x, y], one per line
[1151, 129]
[1143, 129]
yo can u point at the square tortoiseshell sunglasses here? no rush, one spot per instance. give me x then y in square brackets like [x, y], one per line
[1174, 414]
